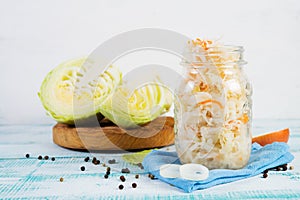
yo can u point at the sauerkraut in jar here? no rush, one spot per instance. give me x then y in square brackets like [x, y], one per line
[213, 107]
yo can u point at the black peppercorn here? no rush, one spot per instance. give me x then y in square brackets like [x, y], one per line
[108, 169]
[278, 168]
[121, 187]
[113, 161]
[265, 175]
[284, 168]
[106, 176]
[122, 178]
[61, 179]
[134, 185]
[137, 176]
[40, 157]
[87, 159]
[140, 165]
[53, 159]
[108, 173]
[96, 162]
[266, 171]
[152, 176]
[126, 170]
[46, 157]
[27, 155]
[82, 168]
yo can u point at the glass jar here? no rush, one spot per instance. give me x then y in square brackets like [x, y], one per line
[213, 107]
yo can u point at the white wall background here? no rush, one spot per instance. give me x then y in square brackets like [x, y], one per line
[37, 35]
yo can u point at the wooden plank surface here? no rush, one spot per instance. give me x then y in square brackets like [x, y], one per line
[22, 177]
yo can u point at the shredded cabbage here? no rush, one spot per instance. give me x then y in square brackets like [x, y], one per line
[213, 109]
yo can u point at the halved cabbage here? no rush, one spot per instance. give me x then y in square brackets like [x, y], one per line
[131, 109]
[67, 96]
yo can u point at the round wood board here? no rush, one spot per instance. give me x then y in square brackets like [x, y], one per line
[158, 133]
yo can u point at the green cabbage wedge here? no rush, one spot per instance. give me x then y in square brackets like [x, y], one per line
[66, 99]
[131, 109]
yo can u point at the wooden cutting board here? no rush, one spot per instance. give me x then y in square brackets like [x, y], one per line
[158, 133]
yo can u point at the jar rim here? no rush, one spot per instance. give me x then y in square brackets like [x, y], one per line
[221, 50]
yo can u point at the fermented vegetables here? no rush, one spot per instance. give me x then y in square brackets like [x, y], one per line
[213, 109]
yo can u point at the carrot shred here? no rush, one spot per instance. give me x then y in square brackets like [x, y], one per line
[210, 101]
[244, 118]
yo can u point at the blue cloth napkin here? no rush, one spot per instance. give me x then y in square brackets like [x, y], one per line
[261, 158]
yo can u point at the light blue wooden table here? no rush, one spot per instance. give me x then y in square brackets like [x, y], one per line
[22, 177]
